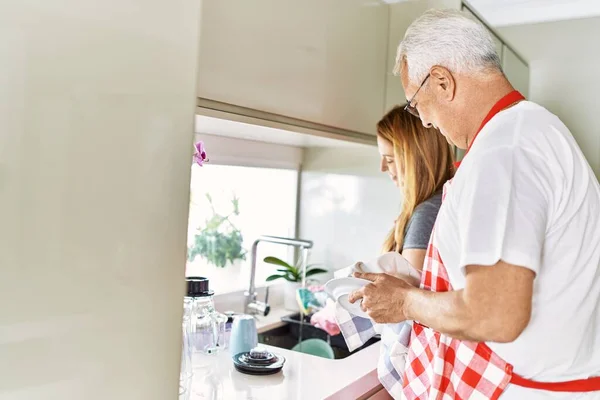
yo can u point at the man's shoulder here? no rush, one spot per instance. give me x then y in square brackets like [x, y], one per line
[526, 127]
[527, 118]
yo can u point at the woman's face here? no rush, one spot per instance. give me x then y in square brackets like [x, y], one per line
[388, 162]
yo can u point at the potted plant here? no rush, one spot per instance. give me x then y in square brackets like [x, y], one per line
[219, 242]
[293, 277]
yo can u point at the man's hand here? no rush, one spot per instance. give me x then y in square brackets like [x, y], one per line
[384, 298]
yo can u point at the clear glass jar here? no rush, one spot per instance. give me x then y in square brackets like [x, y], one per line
[228, 325]
[207, 324]
[208, 327]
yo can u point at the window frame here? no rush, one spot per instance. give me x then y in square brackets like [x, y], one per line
[229, 151]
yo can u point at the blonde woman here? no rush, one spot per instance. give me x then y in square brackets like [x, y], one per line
[419, 161]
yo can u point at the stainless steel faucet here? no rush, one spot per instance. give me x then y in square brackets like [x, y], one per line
[252, 305]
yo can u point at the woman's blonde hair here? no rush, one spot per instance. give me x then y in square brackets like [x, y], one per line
[423, 157]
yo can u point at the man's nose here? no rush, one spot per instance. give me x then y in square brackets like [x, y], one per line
[426, 124]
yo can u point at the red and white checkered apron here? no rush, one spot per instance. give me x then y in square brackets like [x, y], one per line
[442, 368]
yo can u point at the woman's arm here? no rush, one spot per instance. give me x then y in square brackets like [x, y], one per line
[415, 257]
[418, 232]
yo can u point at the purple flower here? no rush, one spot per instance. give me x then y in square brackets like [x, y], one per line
[200, 154]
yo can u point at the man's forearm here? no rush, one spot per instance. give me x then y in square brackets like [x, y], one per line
[494, 306]
[444, 312]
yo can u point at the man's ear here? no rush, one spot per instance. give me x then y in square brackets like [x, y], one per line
[443, 82]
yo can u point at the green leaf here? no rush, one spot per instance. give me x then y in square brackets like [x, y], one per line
[315, 271]
[293, 274]
[273, 277]
[214, 223]
[277, 261]
[236, 205]
[291, 279]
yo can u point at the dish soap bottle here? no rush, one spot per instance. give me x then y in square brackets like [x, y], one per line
[207, 324]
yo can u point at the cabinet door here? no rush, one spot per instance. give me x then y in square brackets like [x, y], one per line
[319, 61]
[516, 71]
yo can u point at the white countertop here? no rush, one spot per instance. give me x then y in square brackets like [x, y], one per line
[303, 377]
[273, 320]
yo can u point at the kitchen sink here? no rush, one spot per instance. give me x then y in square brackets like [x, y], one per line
[288, 335]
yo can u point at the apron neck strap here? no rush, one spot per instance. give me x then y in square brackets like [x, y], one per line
[506, 101]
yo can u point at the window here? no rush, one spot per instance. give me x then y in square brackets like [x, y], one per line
[266, 199]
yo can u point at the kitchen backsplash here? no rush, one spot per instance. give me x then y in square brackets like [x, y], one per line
[347, 206]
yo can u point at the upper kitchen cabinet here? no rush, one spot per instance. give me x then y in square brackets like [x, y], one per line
[313, 60]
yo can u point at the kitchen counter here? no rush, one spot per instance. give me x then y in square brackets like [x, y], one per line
[273, 320]
[303, 377]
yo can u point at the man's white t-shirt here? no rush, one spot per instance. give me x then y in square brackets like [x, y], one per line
[526, 195]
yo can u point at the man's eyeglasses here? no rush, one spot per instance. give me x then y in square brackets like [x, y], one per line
[410, 107]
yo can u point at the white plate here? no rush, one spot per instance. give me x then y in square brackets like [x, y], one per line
[353, 309]
[339, 289]
[339, 286]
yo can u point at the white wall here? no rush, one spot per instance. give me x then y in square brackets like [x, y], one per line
[96, 131]
[347, 205]
[564, 60]
[569, 88]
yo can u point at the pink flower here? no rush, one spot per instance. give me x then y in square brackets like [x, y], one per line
[200, 154]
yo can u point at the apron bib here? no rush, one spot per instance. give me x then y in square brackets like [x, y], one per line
[441, 367]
